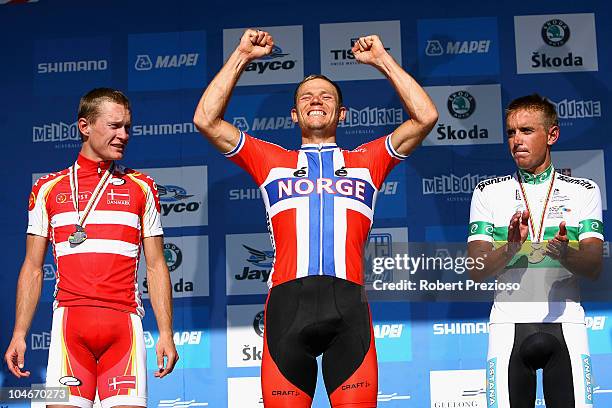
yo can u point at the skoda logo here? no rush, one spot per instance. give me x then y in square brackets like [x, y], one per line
[258, 323]
[173, 255]
[555, 32]
[461, 104]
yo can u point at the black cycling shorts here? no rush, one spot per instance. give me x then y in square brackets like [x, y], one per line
[312, 316]
[517, 350]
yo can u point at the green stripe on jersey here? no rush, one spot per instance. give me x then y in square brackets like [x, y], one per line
[531, 178]
[591, 225]
[481, 228]
[521, 259]
[501, 233]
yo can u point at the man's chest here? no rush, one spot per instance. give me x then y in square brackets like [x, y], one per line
[320, 176]
[548, 207]
[119, 195]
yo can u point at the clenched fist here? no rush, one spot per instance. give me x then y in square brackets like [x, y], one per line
[369, 50]
[255, 44]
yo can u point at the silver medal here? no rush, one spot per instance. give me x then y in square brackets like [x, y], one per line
[78, 236]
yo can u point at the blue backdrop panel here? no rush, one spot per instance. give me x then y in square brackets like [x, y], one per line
[163, 55]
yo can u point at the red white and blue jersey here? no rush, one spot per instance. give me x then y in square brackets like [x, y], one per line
[319, 202]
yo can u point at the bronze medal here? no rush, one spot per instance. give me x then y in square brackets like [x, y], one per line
[537, 253]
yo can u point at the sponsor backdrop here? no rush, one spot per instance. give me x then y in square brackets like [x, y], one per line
[472, 60]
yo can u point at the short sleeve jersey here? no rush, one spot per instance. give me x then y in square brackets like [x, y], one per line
[548, 292]
[102, 270]
[319, 202]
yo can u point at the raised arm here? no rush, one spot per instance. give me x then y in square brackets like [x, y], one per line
[209, 113]
[421, 109]
[29, 286]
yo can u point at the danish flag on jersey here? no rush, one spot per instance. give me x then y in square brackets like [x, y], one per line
[102, 270]
[122, 382]
[319, 202]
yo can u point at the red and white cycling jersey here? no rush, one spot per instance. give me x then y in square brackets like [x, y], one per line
[101, 271]
[319, 202]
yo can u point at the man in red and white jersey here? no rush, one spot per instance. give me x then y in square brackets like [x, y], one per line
[98, 215]
[320, 205]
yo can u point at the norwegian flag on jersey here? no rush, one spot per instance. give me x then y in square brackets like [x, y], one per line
[122, 382]
[319, 201]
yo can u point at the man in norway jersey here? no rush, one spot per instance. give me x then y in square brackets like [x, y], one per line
[541, 230]
[98, 215]
[319, 202]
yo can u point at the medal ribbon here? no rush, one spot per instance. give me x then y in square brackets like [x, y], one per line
[524, 194]
[95, 196]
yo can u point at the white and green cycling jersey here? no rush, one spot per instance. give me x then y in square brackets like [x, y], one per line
[548, 292]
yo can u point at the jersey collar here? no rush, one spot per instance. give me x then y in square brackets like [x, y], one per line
[318, 146]
[530, 178]
[87, 166]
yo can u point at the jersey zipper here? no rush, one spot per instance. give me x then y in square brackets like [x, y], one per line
[320, 217]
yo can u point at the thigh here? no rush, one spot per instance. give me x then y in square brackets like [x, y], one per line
[510, 382]
[567, 379]
[350, 368]
[288, 369]
[122, 371]
[71, 363]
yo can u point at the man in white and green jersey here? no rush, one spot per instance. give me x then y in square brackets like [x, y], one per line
[541, 230]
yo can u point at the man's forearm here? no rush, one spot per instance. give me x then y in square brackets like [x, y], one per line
[160, 293]
[585, 262]
[494, 260]
[29, 286]
[208, 117]
[417, 103]
[214, 101]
